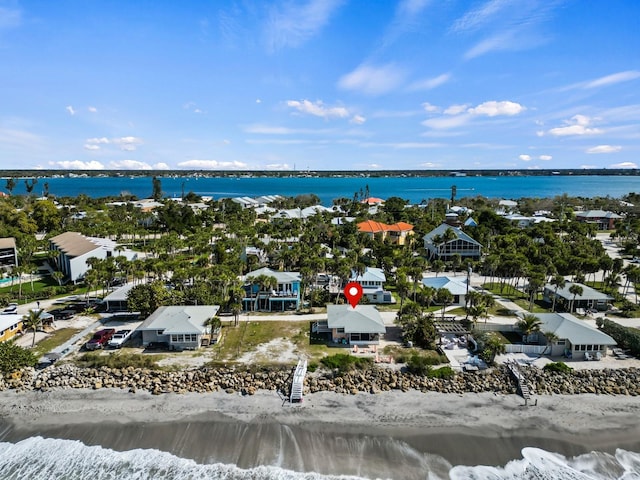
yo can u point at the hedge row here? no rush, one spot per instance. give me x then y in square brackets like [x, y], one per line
[625, 337]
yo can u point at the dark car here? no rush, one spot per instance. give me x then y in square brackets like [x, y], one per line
[100, 339]
[62, 313]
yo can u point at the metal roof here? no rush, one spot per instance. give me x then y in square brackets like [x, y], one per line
[180, 319]
[362, 319]
[566, 326]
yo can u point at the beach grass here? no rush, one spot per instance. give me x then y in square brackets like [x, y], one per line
[57, 338]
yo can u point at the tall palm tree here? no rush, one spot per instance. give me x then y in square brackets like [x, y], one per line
[558, 281]
[575, 290]
[528, 325]
[31, 321]
[551, 339]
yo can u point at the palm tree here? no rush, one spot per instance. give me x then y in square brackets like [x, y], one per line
[528, 325]
[31, 321]
[493, 347]
[557, 281]
[575, 290]
[445, 297]
[551, 339]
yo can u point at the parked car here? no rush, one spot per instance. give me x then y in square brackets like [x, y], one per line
[119, 338]
[100, 339]
[62, 313]
[11, 308]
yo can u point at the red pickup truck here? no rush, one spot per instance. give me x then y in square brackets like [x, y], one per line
[100, 339]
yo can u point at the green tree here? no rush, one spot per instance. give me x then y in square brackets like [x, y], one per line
[493, 347]
[528, 325]
[444, 297]
[10, 185]
[13, 357]
[575, 290]
[551, 338]
[31, 321]
[156, 192]
[146, 298]
[558, 281]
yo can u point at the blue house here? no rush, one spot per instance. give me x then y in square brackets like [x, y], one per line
[271, 291]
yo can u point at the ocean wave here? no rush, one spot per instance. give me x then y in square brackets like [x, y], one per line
[538, 464]
[38, 458]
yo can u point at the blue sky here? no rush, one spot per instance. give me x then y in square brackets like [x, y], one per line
[319, 84]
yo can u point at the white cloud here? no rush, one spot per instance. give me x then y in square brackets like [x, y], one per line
[604, 149]
[130, 165]
[455, 109]
[493, 108]
[373, 80]
[317, 109]
[80, 165]
[613, 79]
[588, 167]
[430, 108]
[92, 109]
[525, 158]
[70, 109]
[545, 158]
[89, 146]
[128, 144]
[161, 166]
[577, 125]
[430, 83]
[358, 119]
[447, 122]
[258, 100]
[212, 165]
[624, 165]
[502, 41]
[296, 23]
[430, 165]
[278, 166]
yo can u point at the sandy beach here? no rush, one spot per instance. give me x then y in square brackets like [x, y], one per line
[467, 429]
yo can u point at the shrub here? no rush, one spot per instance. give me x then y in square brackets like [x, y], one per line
[442, 372]
[421, 365]
[344, 362]
[625, 337]
[559, 367]
[13, 357]
[95, 360]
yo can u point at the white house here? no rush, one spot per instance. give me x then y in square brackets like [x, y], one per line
[575, 337]
[372, 282]
[74, 249]
[362, 325]
[182, 327]
[457, 286]
[438, 246]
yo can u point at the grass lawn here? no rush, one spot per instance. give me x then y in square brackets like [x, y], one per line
[56, 339]
[247, 336]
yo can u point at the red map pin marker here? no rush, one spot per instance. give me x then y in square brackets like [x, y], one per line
[353, 292]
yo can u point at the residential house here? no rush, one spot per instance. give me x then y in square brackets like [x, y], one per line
[397, 233]
[575, 337]
[362, 325]
[457, 286]
[75, 249]
[181, 327]
[439, 246]
[8, 253]
[283, 294]
[605, 220]
[372, 281]
[589, 298]
[10, 326]
[116, 301]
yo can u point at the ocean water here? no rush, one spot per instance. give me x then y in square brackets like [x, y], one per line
[414, 189]
[38, 458]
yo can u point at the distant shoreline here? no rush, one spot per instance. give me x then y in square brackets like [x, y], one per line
[319, 173]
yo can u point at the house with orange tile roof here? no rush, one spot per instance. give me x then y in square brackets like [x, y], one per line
[396, 233]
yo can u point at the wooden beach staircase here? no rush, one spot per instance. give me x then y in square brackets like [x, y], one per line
[514, 368]
[297, 383]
